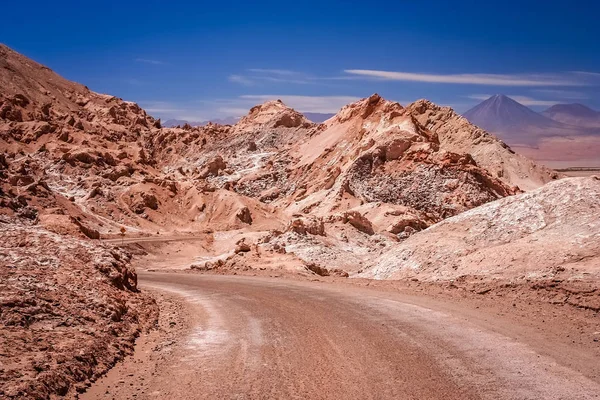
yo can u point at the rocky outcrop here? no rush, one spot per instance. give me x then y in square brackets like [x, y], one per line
[457, 135]
[322, 271]
[41, 95]
[88, 232]
[307, 225]
[373, 175]
[144, 201]
[272, 114]
[358, 221]
[212, 167]
[551, 232]
[382, 154]
[244, 215]
[70, 310]
[241, 246]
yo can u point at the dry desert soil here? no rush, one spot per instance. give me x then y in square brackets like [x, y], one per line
[260, 337]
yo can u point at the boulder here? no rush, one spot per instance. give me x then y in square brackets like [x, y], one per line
[244, 215]
[307, 225]
[241, 246]
[9, 112]
[143, 201]
[212, 167]
[358, 221]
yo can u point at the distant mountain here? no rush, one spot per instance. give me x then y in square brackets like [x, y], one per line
[515, 123]
[555, 142]
[317, 117]
[171, 123]
[501, 113]
[224, 121]
[574, 114]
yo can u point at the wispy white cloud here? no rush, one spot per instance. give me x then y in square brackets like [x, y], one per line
[281, 72]
[174, 110]
[563, 94]
[530, 80]
[255, 76]
[242, 80]
[263, 76]
[232, 111]
[318, 104]
[526, 101]
[588, 74]
[150, 61]
[297, 81]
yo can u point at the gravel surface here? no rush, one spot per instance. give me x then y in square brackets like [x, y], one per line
[257, 338]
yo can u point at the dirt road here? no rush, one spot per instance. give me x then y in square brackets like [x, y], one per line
[227, 337]
[152, 239]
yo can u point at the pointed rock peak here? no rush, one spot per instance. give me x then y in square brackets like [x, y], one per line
[273, 113]
[423, 106]
[366, 107]
[268, 106]
[429, 114]
[374, 98]
[500, 103]
[501, 99]
[424, 103]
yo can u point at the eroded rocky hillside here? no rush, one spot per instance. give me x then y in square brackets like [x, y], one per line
[369, 191]
[80, 163]
[69, 309]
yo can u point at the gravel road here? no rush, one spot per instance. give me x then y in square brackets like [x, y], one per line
[261, 338]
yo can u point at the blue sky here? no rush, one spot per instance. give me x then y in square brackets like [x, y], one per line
[201, 60]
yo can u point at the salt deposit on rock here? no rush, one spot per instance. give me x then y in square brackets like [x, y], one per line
[552, 232]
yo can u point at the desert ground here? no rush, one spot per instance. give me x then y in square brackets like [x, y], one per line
[266, 333]
[262, 337]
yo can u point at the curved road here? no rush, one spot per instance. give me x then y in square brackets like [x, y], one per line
[259, 338]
